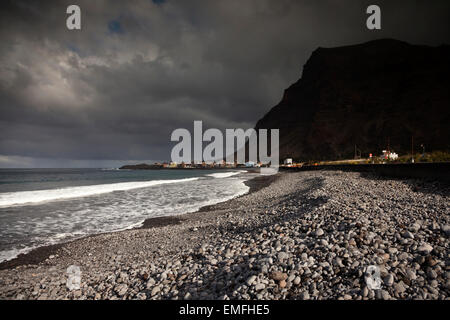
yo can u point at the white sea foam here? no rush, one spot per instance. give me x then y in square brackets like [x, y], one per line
[36, 196]
[224, 174]
[26, 228]
[13, 253]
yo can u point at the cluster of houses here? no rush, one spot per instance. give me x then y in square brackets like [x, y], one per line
[385, 155]
[388, 155]
[288, 162]
[209, 165]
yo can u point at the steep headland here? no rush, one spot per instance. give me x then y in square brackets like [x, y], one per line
[373, 95]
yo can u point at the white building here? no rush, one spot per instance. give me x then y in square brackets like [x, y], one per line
[393, 156]
[250, 164]
[389, 155]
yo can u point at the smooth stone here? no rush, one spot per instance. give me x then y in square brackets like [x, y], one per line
[408, 235]
[260, 286]
[121, 290]
[304, 295]
[155, 290]
[251, 280]
[319, 232]
[403, 256]
[385, 295]
[392, 250]
[446, 229]
[411, 275]
[425, 248]
[399, 287]
[282, 256]
[389, 280]
[431, 274]
[278, 276]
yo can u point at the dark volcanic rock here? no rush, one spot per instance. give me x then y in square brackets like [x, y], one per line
[368, 94]
[142, 166]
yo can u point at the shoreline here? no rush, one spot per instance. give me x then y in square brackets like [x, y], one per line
[40, 254]
[307, 235]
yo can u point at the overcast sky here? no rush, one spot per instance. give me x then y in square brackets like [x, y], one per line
[113, 92]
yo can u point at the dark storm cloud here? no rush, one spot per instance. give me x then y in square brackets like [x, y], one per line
[140, 69]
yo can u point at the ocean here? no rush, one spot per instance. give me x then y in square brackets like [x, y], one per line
[47, 206]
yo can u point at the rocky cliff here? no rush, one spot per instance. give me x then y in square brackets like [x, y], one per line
[369, 95]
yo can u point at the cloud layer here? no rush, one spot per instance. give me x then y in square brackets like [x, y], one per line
[140, 69]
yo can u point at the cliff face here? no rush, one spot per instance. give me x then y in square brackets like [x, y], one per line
[369, 95]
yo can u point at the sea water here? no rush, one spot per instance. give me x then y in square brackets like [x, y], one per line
[47, 206]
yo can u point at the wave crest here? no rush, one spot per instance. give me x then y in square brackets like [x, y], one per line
[29, 197]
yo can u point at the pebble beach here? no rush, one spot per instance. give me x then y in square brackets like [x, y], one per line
[303, 235]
